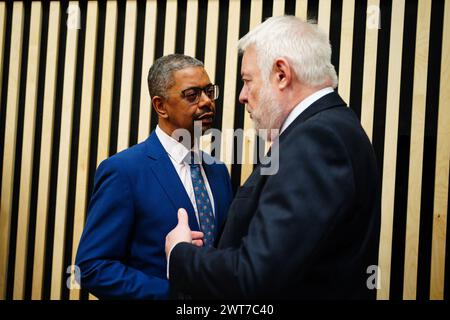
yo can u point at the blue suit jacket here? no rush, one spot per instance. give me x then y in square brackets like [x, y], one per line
[134, 205]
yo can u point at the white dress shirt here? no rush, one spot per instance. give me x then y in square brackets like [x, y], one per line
[180, 157]
[302, 106]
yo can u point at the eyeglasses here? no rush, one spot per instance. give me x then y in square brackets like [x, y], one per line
[192, 95]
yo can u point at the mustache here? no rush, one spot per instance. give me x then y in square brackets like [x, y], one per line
[204, 115]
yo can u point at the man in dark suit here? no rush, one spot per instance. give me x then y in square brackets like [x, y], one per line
[137, 191]
[311, 229]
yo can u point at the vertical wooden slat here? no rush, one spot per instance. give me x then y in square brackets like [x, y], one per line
[145, 106]
[324, 17]
[126, 87]
[189, 49]
[64, 160]
[248, 155]
[416, 154]
[278, 8]
[2, 39]
[170, 27]
[27, 150]
[370, 68]
[109, 50]
[12, 106]
[191, 28]
[85, 130]
[442, 169]
[212, 25]
[301, 9]
[230, 83]
[345, 57]
[46, 148]
[390, 147]
[106, 95]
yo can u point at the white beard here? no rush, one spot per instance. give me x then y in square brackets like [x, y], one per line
[267, 116]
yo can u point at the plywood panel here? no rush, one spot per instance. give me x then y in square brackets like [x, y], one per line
[126, 87]
[34, 47]
[85, 134]
[442, 170]
[230, 83]
[370, 66]
[301, 9]
[106, 95]
[2, 39]
[46, 149]
[390, 147]
[64, 160]
[212, 25]
[278, 8]
[324, 17]
[12, 108]
[416, 151]
[145, 106]
[170, 27]
[345, 57]
[190, 39]
[248, 154]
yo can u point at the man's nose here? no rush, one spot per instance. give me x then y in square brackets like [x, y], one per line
[243, 96]
[205, 101]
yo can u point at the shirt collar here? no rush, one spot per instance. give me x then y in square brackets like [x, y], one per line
[303, 105]
[177, 151]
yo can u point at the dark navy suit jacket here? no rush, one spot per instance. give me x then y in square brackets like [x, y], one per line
[311, 231]
[134, 205]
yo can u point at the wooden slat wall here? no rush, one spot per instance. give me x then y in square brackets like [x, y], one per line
[52, 144]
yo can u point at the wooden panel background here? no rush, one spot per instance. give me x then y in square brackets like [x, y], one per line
[73, 91]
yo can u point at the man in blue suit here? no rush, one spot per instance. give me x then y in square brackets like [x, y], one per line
[138, 191]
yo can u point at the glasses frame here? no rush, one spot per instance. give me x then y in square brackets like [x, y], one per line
[199, 93]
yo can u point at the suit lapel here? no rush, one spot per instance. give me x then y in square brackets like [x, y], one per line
[168, 178]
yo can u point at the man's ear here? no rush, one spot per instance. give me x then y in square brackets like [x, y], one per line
[283, 73]
[159, 106]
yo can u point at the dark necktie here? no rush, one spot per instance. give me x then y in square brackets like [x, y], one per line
[205, 213]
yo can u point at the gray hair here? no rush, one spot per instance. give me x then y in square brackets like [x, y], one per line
[305, 47]
[160, 75]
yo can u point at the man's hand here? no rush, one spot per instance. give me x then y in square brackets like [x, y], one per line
[182, 233]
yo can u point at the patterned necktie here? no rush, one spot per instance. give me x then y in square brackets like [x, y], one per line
[205, 213]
